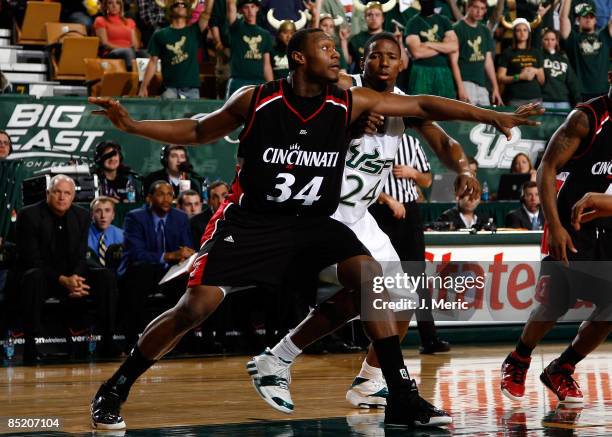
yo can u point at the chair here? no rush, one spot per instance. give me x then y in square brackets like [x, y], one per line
[70, 65]
[56, 32]
[32, 30]
[108, 77]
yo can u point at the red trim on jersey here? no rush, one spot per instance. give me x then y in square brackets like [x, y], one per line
[199, 265]
[236, 189]
[596, 129]
[346, 97]
[267, 99]
[252, 118]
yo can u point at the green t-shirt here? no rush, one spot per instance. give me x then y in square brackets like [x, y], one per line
[474, 43]
[561, 84]
[515, 60]
[248, 43]
[588, 53]
[178, 51]
[440, 8]
[280, 63]
[429, 29]
[357, 45]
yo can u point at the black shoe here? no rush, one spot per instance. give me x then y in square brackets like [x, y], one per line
[105, 409]
[435, 347]
[410, 409]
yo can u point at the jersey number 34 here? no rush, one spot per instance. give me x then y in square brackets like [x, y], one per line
[309, 194]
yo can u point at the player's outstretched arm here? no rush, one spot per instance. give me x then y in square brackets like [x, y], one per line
[590, 207]
[439, 108]
[562, 146]
[183, 131]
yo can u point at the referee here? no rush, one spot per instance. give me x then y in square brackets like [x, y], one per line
[405, 231]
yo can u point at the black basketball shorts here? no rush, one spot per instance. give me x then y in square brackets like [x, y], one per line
[588, 277]
[240, 248]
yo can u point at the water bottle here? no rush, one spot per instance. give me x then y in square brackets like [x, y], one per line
[9, 346]
[130, 190]
[205, 191]
[485, 192]
[91, 341]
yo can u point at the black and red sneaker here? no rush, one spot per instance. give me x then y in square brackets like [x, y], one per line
[410, 409]
[513, 374]
[558, 378]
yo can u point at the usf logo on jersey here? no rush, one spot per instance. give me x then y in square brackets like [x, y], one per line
[370, 163]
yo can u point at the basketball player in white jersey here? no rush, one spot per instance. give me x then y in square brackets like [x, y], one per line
[368, 163]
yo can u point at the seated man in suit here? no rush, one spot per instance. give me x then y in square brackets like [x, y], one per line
[529, 215]
[103, 235]
[464, 215]
[176, 166]
[156, 236]
[217, 192]
[190, 202]
[52, 247]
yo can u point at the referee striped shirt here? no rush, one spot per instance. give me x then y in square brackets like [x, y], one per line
[411, 154]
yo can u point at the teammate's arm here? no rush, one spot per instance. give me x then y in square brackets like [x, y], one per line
[590, 207]
[438, 108]
[450, 152]
[183, 131]
[563, 144]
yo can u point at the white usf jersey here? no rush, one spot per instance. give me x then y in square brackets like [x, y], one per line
[368, 163]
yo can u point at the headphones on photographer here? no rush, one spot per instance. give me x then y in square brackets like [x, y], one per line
[165, 152]
[99, 151]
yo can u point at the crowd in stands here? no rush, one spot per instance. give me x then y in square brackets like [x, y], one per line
[483, 52]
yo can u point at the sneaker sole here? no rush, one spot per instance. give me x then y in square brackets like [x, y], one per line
[434, 422]
[358, 401]
[109, 426]
[567, 400]
[510, 395]
[254, 374]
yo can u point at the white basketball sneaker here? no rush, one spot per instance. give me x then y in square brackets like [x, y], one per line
[368, 393]
[271, 378]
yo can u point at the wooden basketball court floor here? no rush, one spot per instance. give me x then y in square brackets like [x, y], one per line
[213, 396]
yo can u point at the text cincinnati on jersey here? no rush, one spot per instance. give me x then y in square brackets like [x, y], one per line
[294, 156]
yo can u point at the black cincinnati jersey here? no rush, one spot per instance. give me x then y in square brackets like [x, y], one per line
[590, 169]
[293, 150]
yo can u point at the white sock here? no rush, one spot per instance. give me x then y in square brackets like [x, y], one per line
[286, 349]
[370, 372]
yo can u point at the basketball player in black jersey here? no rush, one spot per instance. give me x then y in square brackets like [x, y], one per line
[592, 206]
[293, 143]
[579, 245]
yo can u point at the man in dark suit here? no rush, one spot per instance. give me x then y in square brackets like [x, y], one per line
[217, 192]
[155, 237]
[464, 215]
[52, 246]
[529, 215]
[176, 166]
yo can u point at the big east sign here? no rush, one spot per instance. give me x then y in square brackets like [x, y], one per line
[49, 131]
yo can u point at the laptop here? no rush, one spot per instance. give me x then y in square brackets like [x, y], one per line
[443, 188]
[510, 185]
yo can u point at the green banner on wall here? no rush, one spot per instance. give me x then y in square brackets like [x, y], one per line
[51, 131]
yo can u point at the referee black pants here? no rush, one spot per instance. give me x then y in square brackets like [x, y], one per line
[408, 240]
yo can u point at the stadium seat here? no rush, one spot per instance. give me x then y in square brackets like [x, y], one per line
[108, 77]
[56, 32]
[32, 30]
[70, 65]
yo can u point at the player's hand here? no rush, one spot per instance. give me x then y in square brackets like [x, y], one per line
[466, 184]
[559, 241]
[114, 111]
[505, 121]
[397, 208]
[404, 172]
[590, 202]
[368, 123]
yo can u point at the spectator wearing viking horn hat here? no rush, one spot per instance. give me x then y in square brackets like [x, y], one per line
[520, 67]
[250, 47]
[374, 17]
